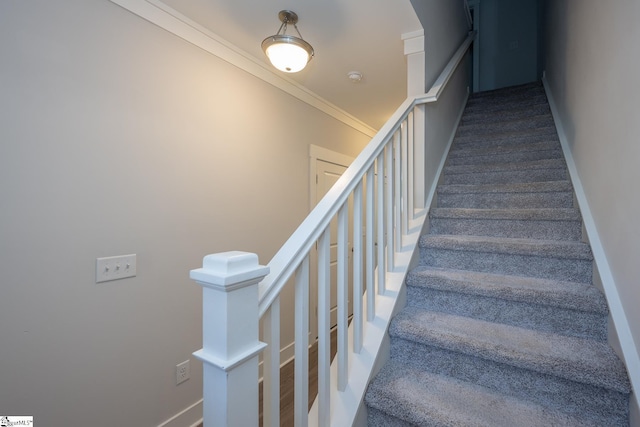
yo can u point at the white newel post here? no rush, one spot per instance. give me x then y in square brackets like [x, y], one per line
[230, 345]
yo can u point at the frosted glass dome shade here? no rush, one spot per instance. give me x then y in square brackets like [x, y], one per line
[287, 53]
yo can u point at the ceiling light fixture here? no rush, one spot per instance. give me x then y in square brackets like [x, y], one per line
[286, 52]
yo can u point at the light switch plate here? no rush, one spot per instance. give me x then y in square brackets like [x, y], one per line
[115, 267]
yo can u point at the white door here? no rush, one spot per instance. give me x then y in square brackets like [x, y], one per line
[326, 176]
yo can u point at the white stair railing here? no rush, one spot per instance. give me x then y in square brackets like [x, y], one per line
[238, 291]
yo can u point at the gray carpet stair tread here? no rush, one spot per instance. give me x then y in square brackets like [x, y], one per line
[555, 293]
[530, 187]
[505, 114]
[532, 247]
[515, 124]
[505, 167]
[425, 399]
[581, 360]
[507, 96]
[556, 214]
[504, 149]
[475, 106]
[500, 134]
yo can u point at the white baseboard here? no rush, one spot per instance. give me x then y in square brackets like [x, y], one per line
[188, 417]
[621, 325]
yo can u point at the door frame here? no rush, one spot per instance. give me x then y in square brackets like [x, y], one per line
[475, 5]
[320, 153]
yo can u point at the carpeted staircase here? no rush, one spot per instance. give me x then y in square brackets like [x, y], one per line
[503, 326]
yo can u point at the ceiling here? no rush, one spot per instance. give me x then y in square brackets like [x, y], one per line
[347, 35]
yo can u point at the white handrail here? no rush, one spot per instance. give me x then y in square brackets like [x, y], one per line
[436, 90]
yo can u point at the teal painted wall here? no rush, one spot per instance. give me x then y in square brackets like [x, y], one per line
[508, 42]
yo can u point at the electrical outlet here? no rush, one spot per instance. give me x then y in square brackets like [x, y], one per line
[115, 267]
[182, 372]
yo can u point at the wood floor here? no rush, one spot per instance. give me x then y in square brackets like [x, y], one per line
[287, 383]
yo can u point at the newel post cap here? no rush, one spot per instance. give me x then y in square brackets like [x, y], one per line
[227, 271]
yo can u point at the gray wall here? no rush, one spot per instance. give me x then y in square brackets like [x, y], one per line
[592, 67]
[117, 137]
[508, 40]
[445, 27]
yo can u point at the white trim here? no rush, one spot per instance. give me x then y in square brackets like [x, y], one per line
[174, 22]
[186, 416]
[412, 34]
[229, 364]
[321, 153]
[621, 325]
[413, 42]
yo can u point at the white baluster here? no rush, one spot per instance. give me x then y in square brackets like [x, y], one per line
[397, 193]
[324, 327]
[380, 224]
[230, 337]
[389, 205]
[271, 367]
[343, 296]
[301, 366]
[410, 169]
[405, 179]
[369, 273]
[357, 269]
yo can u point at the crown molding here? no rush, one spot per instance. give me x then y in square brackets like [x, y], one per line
[169, 19]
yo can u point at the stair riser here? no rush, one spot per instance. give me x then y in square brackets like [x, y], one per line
[479, 129]
[505, 139]
[505, 200]
[376, 418]
[499, 103]
[562, 295]
[506, 177]
[494, 147]
[610, 408]
[529, 229]
[496, 110]
[510, 114]
[508, 157]
[522, 314]
[526, 90]
[572, 270]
